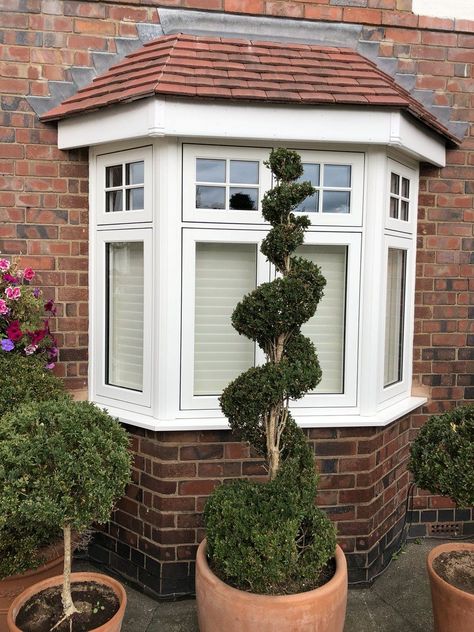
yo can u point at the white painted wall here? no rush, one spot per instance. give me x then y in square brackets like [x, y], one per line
[462, 9]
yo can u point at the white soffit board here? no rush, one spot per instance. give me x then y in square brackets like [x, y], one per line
[460, 9]
[155, 117]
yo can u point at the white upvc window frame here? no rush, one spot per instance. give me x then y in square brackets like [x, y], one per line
[192, 236]
[399, 388]
[356, 160]
[130, 399]
[192, 152]
[105, 160]
[348, 397]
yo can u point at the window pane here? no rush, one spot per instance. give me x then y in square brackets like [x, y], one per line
[326, 328]
[405, 188]
[113, 201]
[394, 317]
[243, 199]
[224, 273]
[135, 200]
[337, 175]
[134, 172]
[113, 176]
[244, 171]
[404, 210]
[394, 207]
[311, 173]
[336, 201]
[210, 197]
[309, 205]
[125, 292]
[210, 170]
[395, 184]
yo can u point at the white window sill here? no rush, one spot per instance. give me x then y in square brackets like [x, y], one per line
[381, 418]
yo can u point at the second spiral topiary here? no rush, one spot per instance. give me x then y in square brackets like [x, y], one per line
[270, 538]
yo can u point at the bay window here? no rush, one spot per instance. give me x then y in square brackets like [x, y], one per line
[177, 228]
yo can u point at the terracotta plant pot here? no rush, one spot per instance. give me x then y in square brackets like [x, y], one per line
[113, 625]
[12, 586]
[453, 609]
[223, 608]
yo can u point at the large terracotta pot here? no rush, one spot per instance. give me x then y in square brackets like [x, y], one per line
[453, 609]
[113, 625]
[222, 608]
[12, 586]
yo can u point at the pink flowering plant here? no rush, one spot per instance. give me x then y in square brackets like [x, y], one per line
[24, 315]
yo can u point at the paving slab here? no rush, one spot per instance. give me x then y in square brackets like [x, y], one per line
[399, 600]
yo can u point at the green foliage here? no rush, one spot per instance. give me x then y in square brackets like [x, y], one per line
[62, 463]
[24, 379]
[270, 538]
[442, 455]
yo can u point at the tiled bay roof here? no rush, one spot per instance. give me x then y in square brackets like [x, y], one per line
[241, 70]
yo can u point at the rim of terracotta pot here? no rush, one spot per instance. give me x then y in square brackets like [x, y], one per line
[99, 578]
[444, 548]
[341, 569]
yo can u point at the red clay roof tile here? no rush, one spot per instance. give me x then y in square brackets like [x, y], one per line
[220, 68]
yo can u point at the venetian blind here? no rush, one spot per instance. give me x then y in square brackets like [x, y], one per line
[394, 316]
[224, 273]
[125, 314]
[327, 327]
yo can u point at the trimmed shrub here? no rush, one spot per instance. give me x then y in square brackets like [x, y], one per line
[270, 538]
[442, 455]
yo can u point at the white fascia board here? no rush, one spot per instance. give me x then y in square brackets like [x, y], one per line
[254, 122]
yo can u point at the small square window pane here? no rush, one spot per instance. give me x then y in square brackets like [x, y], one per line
[395, 184]
[135, 199]
[208, 170]
[404, 210]
[113, 201]
[243, 199]
[134, 172]
[337, 175]
[309, 205]
[394, 208]
[405, 188]
[244, 171]
[113, 176]
[310, 173]
[336, 202]
[210, 197]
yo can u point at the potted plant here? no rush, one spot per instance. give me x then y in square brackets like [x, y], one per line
[64, 464]
[270, 562]
[442, 462]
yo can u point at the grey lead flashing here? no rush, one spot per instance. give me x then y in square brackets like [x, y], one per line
[261, 28]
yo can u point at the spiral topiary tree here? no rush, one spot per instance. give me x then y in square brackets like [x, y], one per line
[271, 538]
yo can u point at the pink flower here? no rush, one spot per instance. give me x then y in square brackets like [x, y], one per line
[13, 293]
[14, 331]
[4, 264]
[30, 349]
[3, 307]
[28, 274]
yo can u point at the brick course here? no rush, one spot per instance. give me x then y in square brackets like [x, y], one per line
[44, 217]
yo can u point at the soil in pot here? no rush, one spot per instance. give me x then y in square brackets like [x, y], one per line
[456, 568]
[97, 605]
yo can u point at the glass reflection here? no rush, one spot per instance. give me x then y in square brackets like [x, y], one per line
[243, 199]
[210, 197]
[337, 175]
[208, 170]
[135, 172]
[135, 199]
[244, 171]
[113, 201]
[336, 202]
[113, 176]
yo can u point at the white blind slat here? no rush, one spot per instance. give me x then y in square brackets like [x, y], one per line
[125, 314]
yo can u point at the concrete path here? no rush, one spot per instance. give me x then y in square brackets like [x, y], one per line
[398, 601]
